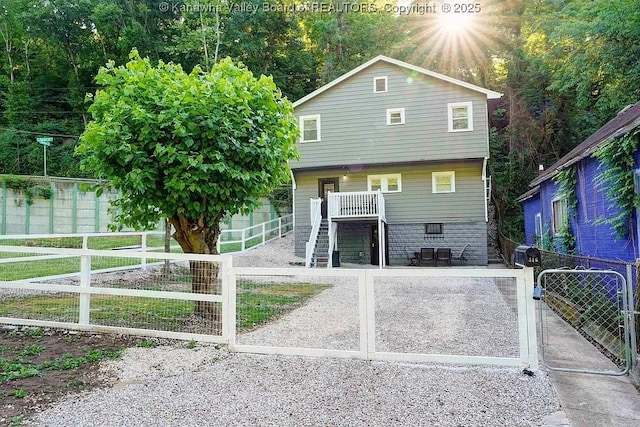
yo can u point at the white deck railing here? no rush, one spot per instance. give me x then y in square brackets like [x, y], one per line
[356, 204]
[316, 219]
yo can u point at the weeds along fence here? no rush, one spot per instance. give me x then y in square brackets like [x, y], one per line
[581, 299]
[461, 316]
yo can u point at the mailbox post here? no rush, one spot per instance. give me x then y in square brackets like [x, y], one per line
[527, 256]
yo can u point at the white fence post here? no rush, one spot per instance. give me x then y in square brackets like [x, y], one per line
[264, 232]
[144, 250]
[279, 226]
[527, 318]
[85, 241]
[85, 283]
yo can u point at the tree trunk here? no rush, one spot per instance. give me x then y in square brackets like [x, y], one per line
[197, 238]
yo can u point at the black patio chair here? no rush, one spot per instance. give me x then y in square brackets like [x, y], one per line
[427, 255]
[443, 255]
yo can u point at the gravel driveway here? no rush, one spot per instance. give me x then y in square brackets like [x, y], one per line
[207, 385]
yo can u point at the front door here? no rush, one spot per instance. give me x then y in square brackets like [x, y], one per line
[324, 186]
[375, 256]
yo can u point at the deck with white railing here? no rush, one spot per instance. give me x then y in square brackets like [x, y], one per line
[356, 205]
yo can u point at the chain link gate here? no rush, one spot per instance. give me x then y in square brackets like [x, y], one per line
[595, 303]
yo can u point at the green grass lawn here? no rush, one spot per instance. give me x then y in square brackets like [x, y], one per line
[257, 304]
[98, 242]
[50, 267]
[42, 268]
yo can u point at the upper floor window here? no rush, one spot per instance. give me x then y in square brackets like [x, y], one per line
[560, 215]
[443, 182]
[379, 84]
[395, 116]
[460, 117]
[310, 128]
[390, 183]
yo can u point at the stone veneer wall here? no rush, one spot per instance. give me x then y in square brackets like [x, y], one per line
[354, 241]
[455, 235]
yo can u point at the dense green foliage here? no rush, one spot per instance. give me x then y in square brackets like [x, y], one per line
[565, 66]
[189, 147]
[618, 180]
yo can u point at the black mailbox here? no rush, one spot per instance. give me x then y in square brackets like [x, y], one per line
[527, 256]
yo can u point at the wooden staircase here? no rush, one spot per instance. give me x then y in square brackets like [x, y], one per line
[321, 250]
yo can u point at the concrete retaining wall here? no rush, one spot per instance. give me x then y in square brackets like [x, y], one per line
[72, 210]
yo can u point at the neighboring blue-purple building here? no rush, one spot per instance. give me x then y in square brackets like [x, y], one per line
[545, 211]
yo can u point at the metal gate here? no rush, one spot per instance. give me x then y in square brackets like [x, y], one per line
[594, 304]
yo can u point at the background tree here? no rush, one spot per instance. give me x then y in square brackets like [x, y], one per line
[189, 147]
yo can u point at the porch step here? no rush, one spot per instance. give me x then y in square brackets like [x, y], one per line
[494, 256]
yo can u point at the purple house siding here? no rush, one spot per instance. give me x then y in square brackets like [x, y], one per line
[593, 238]
[531, 207]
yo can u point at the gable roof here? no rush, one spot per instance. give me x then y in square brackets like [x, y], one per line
[381, 58]
[627, 120]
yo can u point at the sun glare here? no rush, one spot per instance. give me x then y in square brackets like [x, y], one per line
[454, 43]
[455, 23]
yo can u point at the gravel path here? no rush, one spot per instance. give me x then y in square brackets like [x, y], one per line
[207, 385]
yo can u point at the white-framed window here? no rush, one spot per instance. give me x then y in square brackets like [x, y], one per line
[380, 84]
[395, 116]
[389, 183]
[460, 116]
[443, 182]
[560, 213]
[310, 128]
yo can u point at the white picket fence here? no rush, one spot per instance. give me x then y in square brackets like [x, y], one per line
[90, 291]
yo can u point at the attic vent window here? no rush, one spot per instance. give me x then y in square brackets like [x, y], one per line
[379, 84]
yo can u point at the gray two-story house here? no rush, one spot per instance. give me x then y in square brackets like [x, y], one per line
[393, 158]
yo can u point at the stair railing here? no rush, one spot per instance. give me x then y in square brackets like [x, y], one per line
[316, 219]
[333, 234]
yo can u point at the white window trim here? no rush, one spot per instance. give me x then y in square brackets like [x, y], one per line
[434, 187]
[453, 105]
[386, 84]
[310, 117]
[391, 111]
[553, 214]
[384, 182]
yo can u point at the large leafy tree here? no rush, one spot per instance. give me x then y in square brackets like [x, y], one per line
[189, 147]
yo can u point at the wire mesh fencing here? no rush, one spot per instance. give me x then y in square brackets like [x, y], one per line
[295, 311]
[555, 260]
[467, 316]
[143, 293]
[594, 303]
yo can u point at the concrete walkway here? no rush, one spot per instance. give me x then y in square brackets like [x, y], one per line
[587, 400]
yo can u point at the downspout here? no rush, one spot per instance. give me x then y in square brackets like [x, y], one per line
[293, 199]
[484, 189]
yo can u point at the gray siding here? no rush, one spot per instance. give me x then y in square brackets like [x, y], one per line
[414, 206]
[353, 121]
[416, 202]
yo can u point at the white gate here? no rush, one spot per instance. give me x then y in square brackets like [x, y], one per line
[443, 315]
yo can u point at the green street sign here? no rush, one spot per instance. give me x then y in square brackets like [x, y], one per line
[45, 140]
